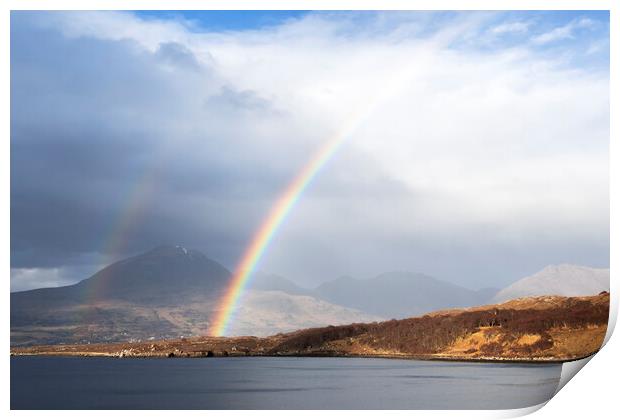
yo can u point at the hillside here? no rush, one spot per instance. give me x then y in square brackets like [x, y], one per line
[546, 328]
[560, 280]
[266, 312]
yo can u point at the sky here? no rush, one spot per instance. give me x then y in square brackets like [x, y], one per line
[484, 156]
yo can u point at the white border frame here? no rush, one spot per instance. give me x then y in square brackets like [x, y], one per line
[593, 394]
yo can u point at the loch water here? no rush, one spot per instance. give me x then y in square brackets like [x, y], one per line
[275, 383]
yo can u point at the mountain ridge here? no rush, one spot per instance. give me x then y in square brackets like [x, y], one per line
[399, 294]
[172, 291]
[558, 279]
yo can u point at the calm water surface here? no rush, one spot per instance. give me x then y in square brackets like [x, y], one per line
[275, 383]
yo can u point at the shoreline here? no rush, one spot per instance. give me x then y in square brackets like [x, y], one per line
[422, 358]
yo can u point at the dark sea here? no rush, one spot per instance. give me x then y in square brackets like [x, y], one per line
[275, 383]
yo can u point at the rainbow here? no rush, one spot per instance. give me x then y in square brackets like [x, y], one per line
[283, 206]
[291, 195]
[138, 200]
[268, 229]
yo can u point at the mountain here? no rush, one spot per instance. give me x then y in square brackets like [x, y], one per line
[163, 274]
[399, 294]
[560, 280]
[151, 294]
[167, 292]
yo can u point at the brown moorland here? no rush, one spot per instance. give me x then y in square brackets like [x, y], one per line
[533, 329]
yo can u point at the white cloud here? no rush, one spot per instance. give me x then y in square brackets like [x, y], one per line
[598, 46]
[563, 32]
[510, 27]
[34, 278]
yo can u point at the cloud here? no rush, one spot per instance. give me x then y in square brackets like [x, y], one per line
[563, 32]
[476, 165]
[177, 55]
[238, 100]
[510, 27]
[36, 278]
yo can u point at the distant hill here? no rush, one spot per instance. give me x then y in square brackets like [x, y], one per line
[400, 294]
[167, 292]
[560, 280]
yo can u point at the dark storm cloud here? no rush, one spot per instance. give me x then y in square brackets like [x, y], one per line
[93, 124]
